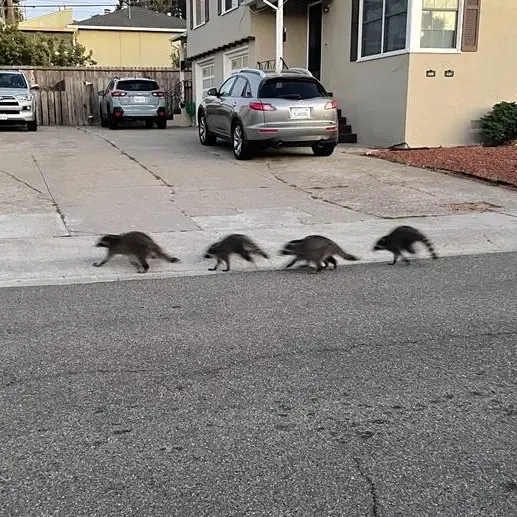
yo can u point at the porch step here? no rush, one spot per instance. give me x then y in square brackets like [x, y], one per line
[345, 135]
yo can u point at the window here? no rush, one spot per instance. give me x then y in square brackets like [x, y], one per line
[384, 26]
[439, 24]
[228, 5]
[198, 12]
[238, 62]
[13, 80]
[135, 85]
[296, 89]
[238, 88]
[207, 78]
[226, 88]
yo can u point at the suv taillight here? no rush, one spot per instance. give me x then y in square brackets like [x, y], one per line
[261, 106]
[331, 105]
[118, 93]
[158, 94]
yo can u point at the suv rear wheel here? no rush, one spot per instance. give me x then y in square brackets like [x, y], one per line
[240, 144]
[205, 137]
[323, 149]
[104, 122]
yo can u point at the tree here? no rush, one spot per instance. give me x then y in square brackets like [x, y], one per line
[18, 15]
[20, 49]
[176, 8]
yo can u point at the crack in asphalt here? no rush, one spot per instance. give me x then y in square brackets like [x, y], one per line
[23, 182]
[157, 177]
[371, 484]
[54, 202]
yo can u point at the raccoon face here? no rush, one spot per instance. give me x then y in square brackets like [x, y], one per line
[380, 244]
[108, 241]
[210, 252]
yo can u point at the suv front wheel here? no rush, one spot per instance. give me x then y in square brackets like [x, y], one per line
[205, 137]
[32, 126]
[240, 144]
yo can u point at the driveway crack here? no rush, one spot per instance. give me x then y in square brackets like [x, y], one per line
[157, 177]
[54, 202]
[22, 182]
[373, 489]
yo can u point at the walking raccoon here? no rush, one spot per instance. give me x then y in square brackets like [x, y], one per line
[235, 243]
[317, 249]
[403, 238]
[133, 244]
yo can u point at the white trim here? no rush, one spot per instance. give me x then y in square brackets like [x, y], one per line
[193, 13]
[197, 26]
[413, 33]
[307, 37]
[232, 54]
[198, 66]
[223, 11]
[134, 29]
[417, 30]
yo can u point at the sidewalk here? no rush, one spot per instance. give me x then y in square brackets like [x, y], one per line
[71, 185]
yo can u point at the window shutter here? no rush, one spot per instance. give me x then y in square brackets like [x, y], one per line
[354, 30]
[191, 14]
[207, 10]
[219, 7]
[470, 33]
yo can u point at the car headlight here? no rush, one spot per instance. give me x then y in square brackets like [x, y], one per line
[24, 98]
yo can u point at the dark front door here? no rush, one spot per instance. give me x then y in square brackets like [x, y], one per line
[314, 43]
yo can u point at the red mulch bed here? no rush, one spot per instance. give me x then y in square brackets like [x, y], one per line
[490, 163]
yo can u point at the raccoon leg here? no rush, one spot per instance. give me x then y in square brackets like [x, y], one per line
[227, 260]
[331, 260]
[292, 262]
[319, 267]
[246, 255]
[216, 265]
[144, 265]
[103, 261]
[395, 257]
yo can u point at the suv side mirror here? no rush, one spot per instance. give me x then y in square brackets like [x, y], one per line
[35, 87]
[212, 92]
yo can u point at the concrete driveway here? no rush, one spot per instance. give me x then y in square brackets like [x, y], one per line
[62, 187]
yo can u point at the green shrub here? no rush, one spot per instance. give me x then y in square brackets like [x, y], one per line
[499, 126]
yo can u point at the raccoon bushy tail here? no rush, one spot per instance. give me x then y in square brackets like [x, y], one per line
[347, 256]
[429, 246]
[255, 248]
[161, 254]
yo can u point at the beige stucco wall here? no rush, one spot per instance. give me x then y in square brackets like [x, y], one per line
[371, 94]
[295, 23]
[220, 30]
[128, 48]
[55, 21]
[444, 111]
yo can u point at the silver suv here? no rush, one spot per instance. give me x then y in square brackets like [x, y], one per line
[133, 98]
[257, 109]
[17, 100]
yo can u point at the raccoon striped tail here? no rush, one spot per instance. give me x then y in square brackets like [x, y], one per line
[430, 247]
[253, 247]
[159, 253]
[347, 256]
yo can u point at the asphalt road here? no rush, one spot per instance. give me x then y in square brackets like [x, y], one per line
[367, 391]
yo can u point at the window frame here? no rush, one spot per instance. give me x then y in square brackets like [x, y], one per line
[233, 54]
[413, 33]
[416, 23]
[222, 4]
[194, 14]
[206, 64]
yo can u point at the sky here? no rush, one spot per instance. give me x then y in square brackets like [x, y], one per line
[82, 9]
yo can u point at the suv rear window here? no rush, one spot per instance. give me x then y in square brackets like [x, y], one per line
[12, 81]
[134, 85]
[280, 88]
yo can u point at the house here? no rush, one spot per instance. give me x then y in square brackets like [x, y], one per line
[55, 25]
[130, 37]
[405, 72]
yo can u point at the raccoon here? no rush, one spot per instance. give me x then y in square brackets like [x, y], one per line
[403, 238]
[317, 249]
[133, 244]
[234, 243]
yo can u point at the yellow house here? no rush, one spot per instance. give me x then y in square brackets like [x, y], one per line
[130, 37]
[54, 24]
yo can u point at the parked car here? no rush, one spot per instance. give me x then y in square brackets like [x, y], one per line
[256, 109]
[133, 98]
[17, 100]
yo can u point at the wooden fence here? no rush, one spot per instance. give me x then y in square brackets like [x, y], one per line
[69, 96]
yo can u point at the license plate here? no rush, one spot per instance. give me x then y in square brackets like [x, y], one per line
[300, 112]
[3, 116]
[140, 100]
